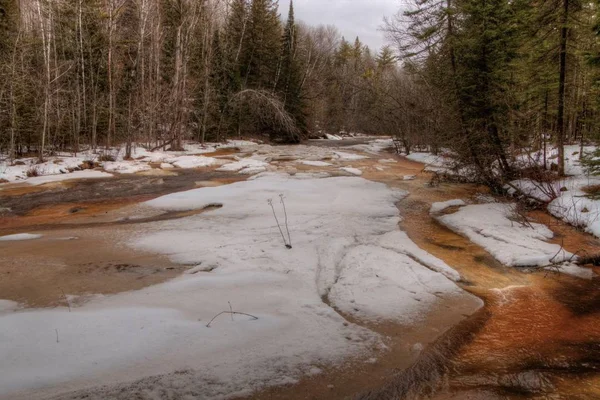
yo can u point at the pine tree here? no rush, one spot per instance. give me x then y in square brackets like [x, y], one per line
[263, 46]
[487, 44]
[236, 33]
[290, 79]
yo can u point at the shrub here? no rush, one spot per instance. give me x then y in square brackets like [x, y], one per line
[33, 171]
[106, 157]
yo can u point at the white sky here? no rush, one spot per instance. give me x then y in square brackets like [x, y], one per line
[353, 18]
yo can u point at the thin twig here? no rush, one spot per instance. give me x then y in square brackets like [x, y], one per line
[56, 330]
[286, 220]
[230, 312]
[277, 220]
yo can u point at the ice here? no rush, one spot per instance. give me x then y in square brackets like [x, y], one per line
[380, 284]
[375, 146]
[343, 156]
[125, 167]
[441, 206]
[19, 237]
[315, 163]
[346, 250]
[193, 161]
[353, 171]
[246, 166]
[7, 306]
[86, 174]
[513, 243]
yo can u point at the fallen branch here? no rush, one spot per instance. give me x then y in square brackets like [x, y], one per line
[232, 313]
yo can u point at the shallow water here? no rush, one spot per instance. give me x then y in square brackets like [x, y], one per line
[538, 336]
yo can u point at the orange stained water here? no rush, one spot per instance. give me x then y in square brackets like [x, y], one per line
[541, 336]
[538, 336]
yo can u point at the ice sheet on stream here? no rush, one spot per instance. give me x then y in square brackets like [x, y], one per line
[509, 239]
[346, 248]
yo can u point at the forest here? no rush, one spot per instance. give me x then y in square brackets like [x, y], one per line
[483, 79]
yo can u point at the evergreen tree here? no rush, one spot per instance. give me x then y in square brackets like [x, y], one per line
[263, 46]
[485, 49]
[290, 79]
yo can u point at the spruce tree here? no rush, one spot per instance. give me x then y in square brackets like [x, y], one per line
[486, 47]
[290, 79]
[263, 48]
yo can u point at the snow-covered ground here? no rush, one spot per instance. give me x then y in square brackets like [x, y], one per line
[66, 163]
[572, 205]
[346, 249]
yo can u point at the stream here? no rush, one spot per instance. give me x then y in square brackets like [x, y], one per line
[537, 336]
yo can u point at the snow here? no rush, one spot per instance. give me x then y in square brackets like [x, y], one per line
[19, 237]
[577, 209]
[353, 171]
[246, 166]
[346, 248]
[388, 161]
[533, 189]
[66, 163]
[85, 174]
[437, 163]
[510, 242]
[125, 167]
[7, 306]
[572, 205]
[427, 158]
[193, 161]
[52, 166]
[375, 146]
[380, 284]
[315, 163]
[441, 206]
[333, 137]
[343, 156]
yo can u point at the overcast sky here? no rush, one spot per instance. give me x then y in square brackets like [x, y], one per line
[353, 18]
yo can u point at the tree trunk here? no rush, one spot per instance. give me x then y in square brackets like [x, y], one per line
[560, 120]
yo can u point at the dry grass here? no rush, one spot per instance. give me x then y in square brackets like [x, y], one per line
[106, 157]
[593, 190]
[33, 171]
